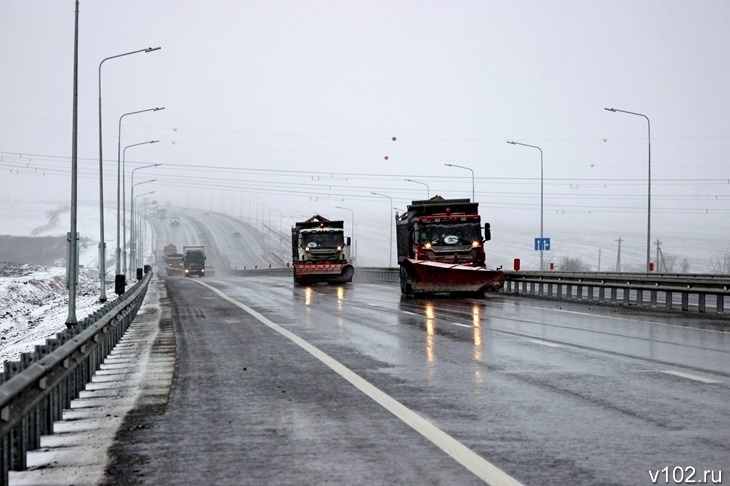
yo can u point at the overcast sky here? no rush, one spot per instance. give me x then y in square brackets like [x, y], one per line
[289, 108]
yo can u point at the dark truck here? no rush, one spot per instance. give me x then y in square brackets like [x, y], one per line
[194, 260]
[441, 248]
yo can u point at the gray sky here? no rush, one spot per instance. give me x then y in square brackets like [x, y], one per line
[291, 106]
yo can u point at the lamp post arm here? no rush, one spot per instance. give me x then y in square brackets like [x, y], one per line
[648, 203]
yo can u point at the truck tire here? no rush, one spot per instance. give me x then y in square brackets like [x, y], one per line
[405, 283]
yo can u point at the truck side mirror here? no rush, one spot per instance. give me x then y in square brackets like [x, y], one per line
[348, 241]
[487, 232]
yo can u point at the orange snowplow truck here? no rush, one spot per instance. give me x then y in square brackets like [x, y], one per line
[441, 248]
[320, 251]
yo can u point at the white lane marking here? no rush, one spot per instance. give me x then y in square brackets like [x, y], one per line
[483, 469]
[545, 343]
[410, 313]
[462, 325]
[690, 377]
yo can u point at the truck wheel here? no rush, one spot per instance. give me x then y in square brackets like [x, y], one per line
[405, 284]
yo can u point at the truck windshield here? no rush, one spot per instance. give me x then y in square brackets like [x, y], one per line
[194, 257]
[450, 234]
[322, 240]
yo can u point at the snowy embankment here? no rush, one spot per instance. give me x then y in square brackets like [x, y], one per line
[34, 298]
[34, 305]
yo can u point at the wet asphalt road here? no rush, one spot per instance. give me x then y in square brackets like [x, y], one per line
[550, 393]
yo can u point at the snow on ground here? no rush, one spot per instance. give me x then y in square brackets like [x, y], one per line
[34, 298]
[34, 304]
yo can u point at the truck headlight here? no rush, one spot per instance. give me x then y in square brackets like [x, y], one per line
[339, 248]
[474, 244]
[427, 245]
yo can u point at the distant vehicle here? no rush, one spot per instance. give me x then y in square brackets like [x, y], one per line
[320, 251]
[162, 213]
[441, 248]
[168, 250]
[174, 265]
[237, 234]
[174, 220]
[194, 260]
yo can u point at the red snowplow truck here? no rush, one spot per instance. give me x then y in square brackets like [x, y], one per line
[320, 251]
[441, 248]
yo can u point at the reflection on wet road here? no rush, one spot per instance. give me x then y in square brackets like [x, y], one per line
[548, 392]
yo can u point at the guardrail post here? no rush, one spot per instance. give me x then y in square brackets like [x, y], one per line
[4, 458]
[701, 302]
[19, 445]
[614, 292]
[639, 297]
[652, 297]
[720, 309]
[668, 304]
[685, 301]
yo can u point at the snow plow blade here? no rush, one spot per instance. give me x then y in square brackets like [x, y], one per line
[434, 277]
[305, 273]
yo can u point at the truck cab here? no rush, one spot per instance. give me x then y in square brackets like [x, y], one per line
[194, 260]
[443, 238]
[323, 244]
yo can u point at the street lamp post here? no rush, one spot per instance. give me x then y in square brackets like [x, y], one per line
[140, 241]
[121, 180]
[542, 241]
[428, 189]
[354, 237]
[124, 203]
[648, 201]
[390, 257]
[132, 229]
[72, 264]
[102, 244]
[134, 216]
[472, 178]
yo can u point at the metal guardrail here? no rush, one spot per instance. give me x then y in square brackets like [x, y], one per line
[685, 292]
[377, 274]
[35, 390]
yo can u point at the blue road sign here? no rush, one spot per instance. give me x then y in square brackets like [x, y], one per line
[542, 244]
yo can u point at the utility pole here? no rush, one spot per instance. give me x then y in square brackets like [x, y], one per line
[599, 259]
[618, 258]
[660, 256]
